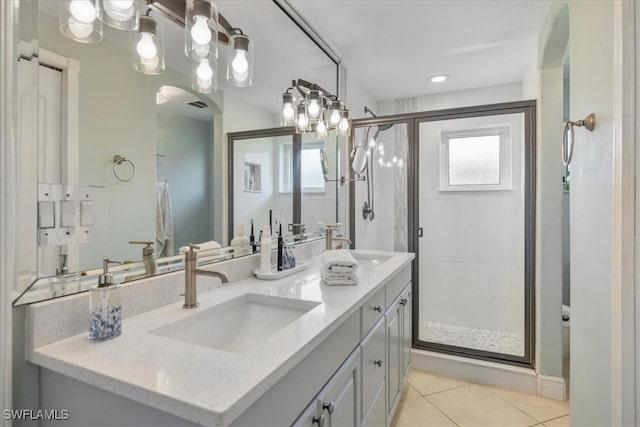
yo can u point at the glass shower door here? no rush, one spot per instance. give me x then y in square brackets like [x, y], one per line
[473, 291]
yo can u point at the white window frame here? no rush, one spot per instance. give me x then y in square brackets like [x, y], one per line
[286, 185]
[504, 133]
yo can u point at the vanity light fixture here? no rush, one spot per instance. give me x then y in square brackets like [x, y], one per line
[205, 28]
[240, 59]
[313, 109]
[439, 78]
[78, 21]
[119, 14]
[150, 47]
[200, 30]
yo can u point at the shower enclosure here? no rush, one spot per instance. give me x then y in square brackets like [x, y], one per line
[457, 188]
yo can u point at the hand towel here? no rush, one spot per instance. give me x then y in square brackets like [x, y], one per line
[339, 259]
[341, 280]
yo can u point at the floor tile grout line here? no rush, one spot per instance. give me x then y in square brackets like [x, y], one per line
[505, 400]
[556, 418]
[441, 391]
[440, 410]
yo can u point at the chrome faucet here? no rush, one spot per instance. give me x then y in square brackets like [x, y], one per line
[191, 271]
[330, 238]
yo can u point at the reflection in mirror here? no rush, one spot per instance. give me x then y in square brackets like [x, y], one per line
[319, 197]
[116, 113]
[262, 182]
[184, 202]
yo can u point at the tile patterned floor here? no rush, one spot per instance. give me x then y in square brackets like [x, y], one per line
[476, 338]
[429, 400]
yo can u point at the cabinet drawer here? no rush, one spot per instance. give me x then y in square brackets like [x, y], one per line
[372, 311]
[373, 364]
[397, 284]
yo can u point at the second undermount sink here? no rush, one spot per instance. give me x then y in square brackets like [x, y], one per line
[373, 259]
[237, 325]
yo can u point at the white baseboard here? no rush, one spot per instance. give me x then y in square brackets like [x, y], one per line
[489, 373]
[552, 387]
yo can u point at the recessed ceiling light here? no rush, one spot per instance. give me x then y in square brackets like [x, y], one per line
[439, 78]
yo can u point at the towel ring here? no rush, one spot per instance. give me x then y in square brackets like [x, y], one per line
[117, 161]
[589, 123]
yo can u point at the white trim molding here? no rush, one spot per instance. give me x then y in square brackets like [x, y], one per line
[8, 187]
[493, 374]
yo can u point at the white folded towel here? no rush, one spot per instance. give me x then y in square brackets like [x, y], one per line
[338, 260]
[204, 246]
[341, 280]
[338, 268]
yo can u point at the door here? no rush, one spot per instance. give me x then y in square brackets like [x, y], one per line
[475, 258]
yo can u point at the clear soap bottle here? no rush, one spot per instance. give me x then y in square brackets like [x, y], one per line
[105, 321]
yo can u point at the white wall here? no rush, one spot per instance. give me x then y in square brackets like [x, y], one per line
[592, 216]
[472, 253]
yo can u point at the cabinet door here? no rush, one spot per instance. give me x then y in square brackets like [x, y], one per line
[394, 356]
[310, 417]
[405, 300]
[340, 399]
[374, 365]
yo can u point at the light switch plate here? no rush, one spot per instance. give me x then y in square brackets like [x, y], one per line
[87, 213]
[68, 213]
[46, 215]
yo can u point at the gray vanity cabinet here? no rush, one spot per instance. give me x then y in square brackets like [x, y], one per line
[406, 303]
[338, 403]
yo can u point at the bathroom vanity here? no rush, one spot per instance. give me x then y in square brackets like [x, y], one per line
[264, 353]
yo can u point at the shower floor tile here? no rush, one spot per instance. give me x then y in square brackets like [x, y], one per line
[475, 338]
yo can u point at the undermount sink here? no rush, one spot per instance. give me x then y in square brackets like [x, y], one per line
[237, 325]
[372, 259]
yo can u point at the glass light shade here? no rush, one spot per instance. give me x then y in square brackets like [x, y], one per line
[119, 14]
[240, 61]
[201, 29]
[302, 119]
[78, 21]
[314, 104]
[344, 126]
[321, 129]
[334, 114]
[149, 47]
[287, 110]
[204, 75]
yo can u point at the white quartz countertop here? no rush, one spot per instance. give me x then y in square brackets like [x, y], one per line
[205, 385]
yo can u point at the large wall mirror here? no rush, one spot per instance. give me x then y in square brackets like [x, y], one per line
[280, 170]
[175, 138]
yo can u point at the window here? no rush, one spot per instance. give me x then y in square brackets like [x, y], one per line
[475, 160]
[312, 179]
[252, 177]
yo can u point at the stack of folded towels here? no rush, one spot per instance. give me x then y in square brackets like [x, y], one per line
[339, 268]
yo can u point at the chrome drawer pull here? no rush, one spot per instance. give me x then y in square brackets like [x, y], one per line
[377, 308]
[319, 421]
[329, 408]
[378, 363]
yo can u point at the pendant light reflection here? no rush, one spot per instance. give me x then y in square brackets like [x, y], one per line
[321, 127]
[240, 61]
[201, 30]
[343, 125]
[334, 113]
[314, 104]
[119, 14]
[205, 75]
[287, 116]
[302, 119]
[79, 22]
[149, 47]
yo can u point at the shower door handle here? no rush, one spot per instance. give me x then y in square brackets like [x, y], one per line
[420, 231]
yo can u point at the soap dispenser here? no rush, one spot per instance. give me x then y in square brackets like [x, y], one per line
[106, 310]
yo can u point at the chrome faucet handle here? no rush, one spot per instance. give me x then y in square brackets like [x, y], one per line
[147, 250]
[192, 247]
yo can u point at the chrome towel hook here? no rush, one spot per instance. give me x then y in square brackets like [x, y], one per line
[117, 161]
[589, 123]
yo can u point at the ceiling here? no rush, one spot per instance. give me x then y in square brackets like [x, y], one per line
[393, 46]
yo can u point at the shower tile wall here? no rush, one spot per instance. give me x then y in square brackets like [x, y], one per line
[471, 255]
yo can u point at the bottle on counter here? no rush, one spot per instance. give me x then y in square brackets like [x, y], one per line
[105, 318]
[265, 249]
